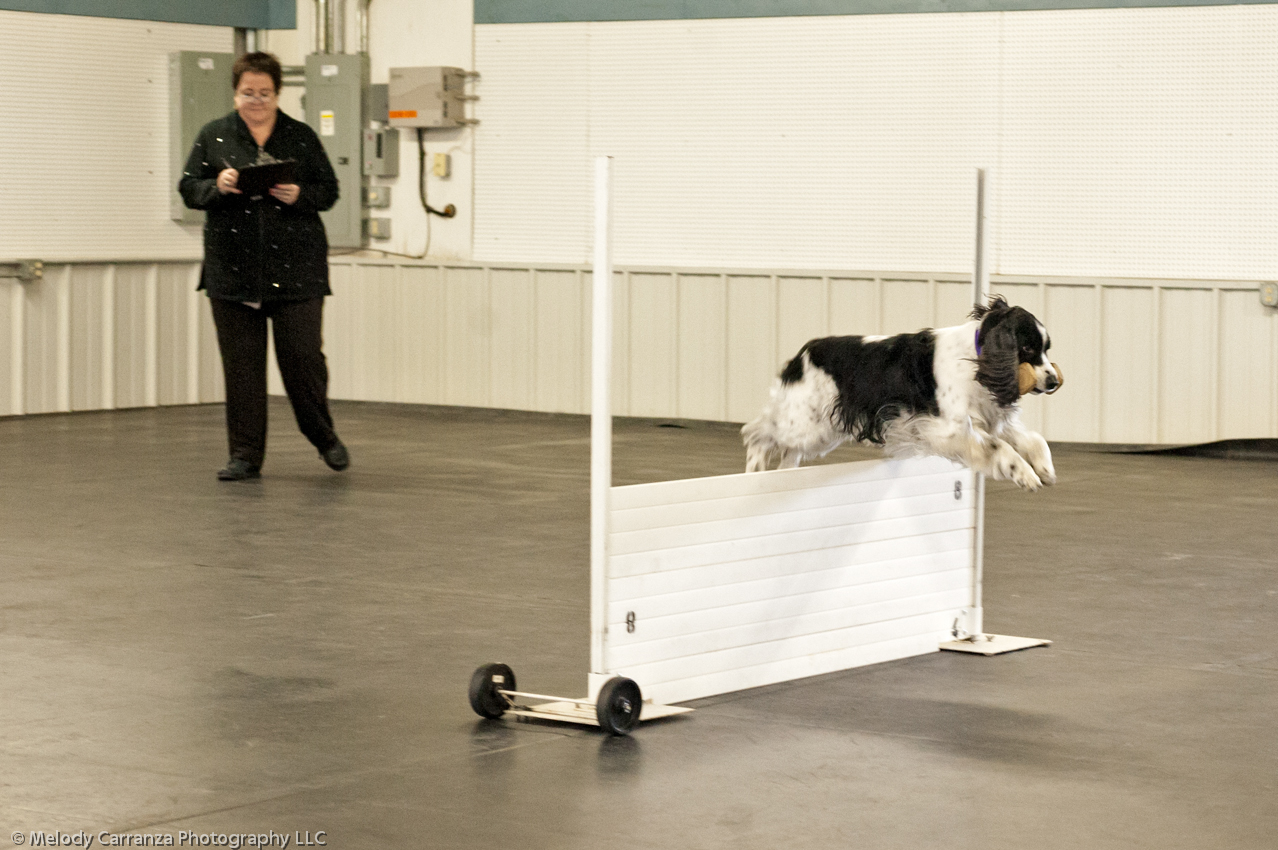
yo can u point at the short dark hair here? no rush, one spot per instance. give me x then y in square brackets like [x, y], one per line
[262, 63]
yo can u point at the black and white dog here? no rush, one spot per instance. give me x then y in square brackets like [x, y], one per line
[951, 392]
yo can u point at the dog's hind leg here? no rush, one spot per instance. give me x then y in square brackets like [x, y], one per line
[759, 443]
[797, 421]
[756, 459]
[790, 459]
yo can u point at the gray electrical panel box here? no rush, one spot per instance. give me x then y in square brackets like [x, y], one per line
[431, 97]
[335, 85]
[199, 91]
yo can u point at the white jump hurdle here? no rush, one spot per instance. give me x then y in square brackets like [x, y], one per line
[720, 584]
[706, 586]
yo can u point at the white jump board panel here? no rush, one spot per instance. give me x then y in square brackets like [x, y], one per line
[738, 581]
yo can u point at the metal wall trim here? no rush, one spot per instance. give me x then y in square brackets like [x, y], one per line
[564, 11]
[249, 14]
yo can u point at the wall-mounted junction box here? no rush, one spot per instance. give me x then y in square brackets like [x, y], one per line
[375, 103]
[378, 228]
[431, 97]
[377, 197]
[381, 152]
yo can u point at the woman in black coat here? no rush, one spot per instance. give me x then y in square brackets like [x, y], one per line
[265, 257]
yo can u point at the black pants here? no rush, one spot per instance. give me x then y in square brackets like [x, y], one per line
[241, 335]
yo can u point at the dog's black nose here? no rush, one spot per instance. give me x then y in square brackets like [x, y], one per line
[1052, 383]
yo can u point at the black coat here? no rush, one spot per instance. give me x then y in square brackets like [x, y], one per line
[259, 249]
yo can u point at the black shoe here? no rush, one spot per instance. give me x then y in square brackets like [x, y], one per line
[238, 470]
[337, 457]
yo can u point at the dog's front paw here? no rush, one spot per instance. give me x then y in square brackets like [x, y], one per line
[1047, 473]
[1039, 457]
[1012, 467]
[1025, 478]
[1043, 468]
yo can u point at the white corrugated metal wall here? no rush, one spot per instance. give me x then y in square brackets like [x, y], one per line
[95, 336]
[1148, 361]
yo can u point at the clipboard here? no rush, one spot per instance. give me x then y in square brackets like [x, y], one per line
[256, 180]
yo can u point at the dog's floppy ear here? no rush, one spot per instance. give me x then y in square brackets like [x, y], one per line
[996, 365]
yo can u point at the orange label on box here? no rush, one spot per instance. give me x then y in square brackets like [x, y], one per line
[403, 113]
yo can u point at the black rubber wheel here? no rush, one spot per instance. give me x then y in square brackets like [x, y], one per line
[483, 689]
[619, 705]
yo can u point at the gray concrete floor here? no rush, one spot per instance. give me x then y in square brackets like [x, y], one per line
[292, 654]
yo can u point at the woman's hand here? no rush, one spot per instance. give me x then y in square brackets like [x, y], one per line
[286, 192]
[226, 181]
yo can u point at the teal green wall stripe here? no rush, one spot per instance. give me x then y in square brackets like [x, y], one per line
[547, 11]
[250, 14]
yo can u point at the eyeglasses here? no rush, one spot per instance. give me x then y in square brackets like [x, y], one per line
[256, 97]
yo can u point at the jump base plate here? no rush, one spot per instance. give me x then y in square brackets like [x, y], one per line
[584, 713]
[993, 644]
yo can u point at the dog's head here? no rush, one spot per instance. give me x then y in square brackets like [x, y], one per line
[1011, 353]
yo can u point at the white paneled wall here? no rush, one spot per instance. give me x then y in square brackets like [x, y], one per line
[1146, 362]
[1136, 142]
[85, 136]
[1140, 142]
[106, 335]
[459, 335]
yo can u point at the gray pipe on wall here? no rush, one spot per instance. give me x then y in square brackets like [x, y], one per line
[337, 26]
[330, 26]
[363, 25]
[247, 41]
[323, 37]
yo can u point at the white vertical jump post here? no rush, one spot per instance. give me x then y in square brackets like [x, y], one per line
[980, 291]
[969, 632]
[601, 444]
[612, 702]
[600, 418]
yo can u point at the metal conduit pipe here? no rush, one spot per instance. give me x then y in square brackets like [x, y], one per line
[337, 25]
[323, 38]
[363, 26]
[247, 41]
